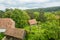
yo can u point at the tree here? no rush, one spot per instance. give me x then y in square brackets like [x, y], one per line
[1, 13]
[31, 14]
[20, 17]
[36, 15]
[50, 16]
[42, 18]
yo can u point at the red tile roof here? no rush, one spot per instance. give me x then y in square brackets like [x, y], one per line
[32, 21]
[7, 23]
[15, 32]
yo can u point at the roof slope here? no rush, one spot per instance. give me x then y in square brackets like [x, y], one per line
[15, 32]
[7, 23]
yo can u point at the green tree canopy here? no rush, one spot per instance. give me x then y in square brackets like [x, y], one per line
[20, 17]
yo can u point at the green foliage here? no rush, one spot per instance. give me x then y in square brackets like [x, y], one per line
[50, 16]
[1, 13]
[48, 27]
[44, 31]
[1, 35]
[31, 14]
[41, 17]
[49, 9]
[36, 15]
[19, 16]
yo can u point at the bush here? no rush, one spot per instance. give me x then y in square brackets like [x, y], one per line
[20, 17]
[1, 35]
[46, 31]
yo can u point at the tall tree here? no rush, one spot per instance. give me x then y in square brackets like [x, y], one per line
[41, 16]
[1, 13]
[19, 16]
[36, 15]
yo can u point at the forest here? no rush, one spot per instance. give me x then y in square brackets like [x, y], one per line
[48, 20]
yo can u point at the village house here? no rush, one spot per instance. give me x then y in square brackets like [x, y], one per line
[11, 33]
[32, 21]
[15, 34]
[6, 23]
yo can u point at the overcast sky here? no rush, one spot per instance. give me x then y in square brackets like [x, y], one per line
[28, 4]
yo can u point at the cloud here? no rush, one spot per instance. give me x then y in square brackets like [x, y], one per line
[1, 1]
[27, 4]
[2, 7]
[52, 4]
[10, 2]
[28, 1]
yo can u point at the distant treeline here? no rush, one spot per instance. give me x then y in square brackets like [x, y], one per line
[49, 9]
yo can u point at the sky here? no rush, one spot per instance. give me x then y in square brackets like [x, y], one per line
[28, 4]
